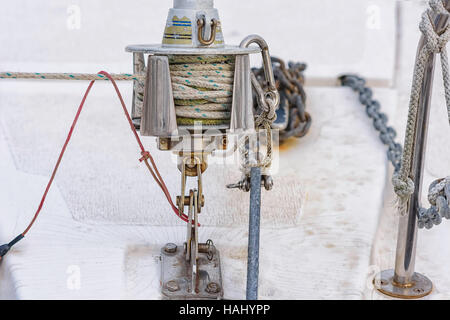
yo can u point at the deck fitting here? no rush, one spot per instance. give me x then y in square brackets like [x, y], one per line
[420, 286]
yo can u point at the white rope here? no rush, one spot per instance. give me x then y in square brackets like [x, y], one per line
[202, 88]
[434, 44]
[69, 76]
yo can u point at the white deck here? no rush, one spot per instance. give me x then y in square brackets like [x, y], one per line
[328, 224]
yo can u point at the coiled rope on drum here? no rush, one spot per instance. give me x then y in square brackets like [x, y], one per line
[202, 88]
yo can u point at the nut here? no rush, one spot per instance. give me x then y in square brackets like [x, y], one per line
[212, 288]
[172, 286]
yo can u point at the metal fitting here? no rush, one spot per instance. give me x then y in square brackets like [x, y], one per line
[213, 288]
[170, 248]
[201, 23]
[172, 286]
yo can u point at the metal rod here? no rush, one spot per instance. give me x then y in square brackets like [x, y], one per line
[407, 231]
[254, 234]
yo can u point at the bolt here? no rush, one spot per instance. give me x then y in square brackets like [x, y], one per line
[172, 286]
[164, 144]
[170, 248]
[213, 288]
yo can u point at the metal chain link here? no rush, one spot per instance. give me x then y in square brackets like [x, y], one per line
[380, 119]
[439, 198]
[439, 191]
[289, 82]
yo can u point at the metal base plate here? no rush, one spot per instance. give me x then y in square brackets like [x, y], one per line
[421, 286]
[176, 276]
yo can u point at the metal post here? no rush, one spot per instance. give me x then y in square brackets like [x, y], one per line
[253, 234]
[403, 282]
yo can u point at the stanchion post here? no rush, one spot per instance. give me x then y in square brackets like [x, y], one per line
[403, 281]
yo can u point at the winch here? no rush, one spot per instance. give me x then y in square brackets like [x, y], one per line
[195, 94]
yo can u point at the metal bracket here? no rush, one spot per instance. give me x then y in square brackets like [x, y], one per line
[176, 277]
[193, 270]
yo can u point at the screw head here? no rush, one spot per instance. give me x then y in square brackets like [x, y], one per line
[170, 248]
[213, 288]
[380, 282]
[419, 290]
[172, 286]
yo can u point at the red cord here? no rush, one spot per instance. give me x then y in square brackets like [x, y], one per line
[145, 155]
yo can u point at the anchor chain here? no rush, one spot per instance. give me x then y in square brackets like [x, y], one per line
[380, 119]
[439, 190]
[439, 198]
[289, 83]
